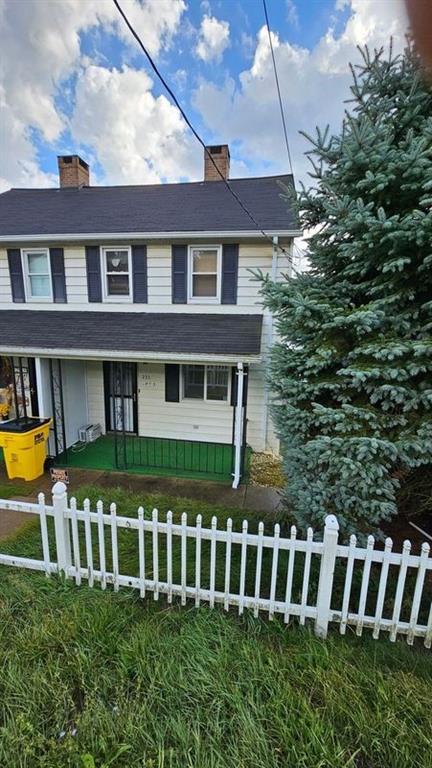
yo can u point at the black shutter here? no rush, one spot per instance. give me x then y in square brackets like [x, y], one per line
[234, 379]
[58, 275]
[229, 274]
[94, 282]
[16, 275]
[139, 271]
[179, 274]
[172, 383]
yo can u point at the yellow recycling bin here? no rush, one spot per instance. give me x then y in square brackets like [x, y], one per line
[24, 443]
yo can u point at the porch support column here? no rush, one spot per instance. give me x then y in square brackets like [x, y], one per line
[238, 426]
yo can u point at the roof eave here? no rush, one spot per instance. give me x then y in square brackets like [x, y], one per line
[128, 356]
[121, 236]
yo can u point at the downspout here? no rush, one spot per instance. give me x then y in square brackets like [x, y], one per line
[270, 342]
[238, 426]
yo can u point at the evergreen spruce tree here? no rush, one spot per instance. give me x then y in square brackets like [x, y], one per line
[351, 372]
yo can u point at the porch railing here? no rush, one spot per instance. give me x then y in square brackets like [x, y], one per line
[176, 455]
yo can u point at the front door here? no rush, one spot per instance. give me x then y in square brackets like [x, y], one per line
[120, 382]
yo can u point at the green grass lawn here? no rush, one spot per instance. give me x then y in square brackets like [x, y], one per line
[92, 679]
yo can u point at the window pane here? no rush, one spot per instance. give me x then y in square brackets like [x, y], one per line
[37, 263]
[118, 285]
[193, 381]
[40, 287]
[204, 285]
[117, 261]
[204, 261]
[217, 382]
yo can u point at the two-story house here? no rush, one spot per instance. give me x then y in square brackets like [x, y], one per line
[134, 308]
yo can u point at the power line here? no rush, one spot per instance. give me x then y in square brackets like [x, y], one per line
[278, 87]
[188, 122]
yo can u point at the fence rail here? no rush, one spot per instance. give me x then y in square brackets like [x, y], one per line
[323, 581]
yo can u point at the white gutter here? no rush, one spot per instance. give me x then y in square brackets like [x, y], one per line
[124, 355]
[270, 342]
[238, 426]
[121, 236]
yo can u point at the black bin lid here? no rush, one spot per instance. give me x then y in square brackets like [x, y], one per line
[21, 425]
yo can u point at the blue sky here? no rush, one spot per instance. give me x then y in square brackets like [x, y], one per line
[74, 80]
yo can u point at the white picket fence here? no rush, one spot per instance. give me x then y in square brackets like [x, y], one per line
[70, 547]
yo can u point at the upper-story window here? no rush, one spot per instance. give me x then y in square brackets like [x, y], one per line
[116, 271]
[205, 274]
[37, 274]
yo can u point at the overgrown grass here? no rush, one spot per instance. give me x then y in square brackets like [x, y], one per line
[96, 679]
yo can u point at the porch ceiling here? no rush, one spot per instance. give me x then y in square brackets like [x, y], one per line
[130, 335]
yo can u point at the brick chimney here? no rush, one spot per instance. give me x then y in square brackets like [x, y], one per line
[221, 156]
[73, 171]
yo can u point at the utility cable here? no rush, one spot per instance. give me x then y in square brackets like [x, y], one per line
[194, 131]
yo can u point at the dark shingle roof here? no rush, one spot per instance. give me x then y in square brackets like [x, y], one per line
[189, 207]
[171, 333]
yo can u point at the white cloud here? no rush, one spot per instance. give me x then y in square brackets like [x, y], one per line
[213, 39]
[40, 49]
[314, 84]
[292, 13]
[137, 137]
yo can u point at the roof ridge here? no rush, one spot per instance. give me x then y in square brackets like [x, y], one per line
[146, 186]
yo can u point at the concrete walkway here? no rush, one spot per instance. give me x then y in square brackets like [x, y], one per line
[250, 498]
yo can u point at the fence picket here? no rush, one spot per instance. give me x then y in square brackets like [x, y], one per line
[141, 550]
[258, 567]
[101, 541]
[406, 549]
[274, 569]
[418, 590]
[290, 574]
[114, 546]
[88, 542]
[243, 556]
[183, 557]
[382, 587]
[228, 563]
[169, 554]
[69, 562]
[428, 636]
[198, 560]
[44, 533]
[306, 574]
[75, 540]
[155, 555]
[365, 584]
[348, 583]
[213, 560]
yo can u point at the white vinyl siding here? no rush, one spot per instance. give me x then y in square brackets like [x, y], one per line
[251, 256]
[95, 393]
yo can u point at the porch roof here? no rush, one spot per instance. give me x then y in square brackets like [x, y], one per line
[130, 335]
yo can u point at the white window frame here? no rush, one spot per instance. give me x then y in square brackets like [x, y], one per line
[205, 399]
[26, 274]
[205, 299]
[106, 296]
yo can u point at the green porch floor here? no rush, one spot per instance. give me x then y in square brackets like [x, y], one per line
[155, 456]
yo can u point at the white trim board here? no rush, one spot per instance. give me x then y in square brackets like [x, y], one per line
[126, 355]
[131, 236]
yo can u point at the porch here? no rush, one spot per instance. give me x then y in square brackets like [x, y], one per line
[156, 456]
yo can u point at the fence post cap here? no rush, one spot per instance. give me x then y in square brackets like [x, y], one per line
[59, 488]
[331, 523]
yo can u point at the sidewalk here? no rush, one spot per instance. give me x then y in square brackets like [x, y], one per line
[250, 498]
